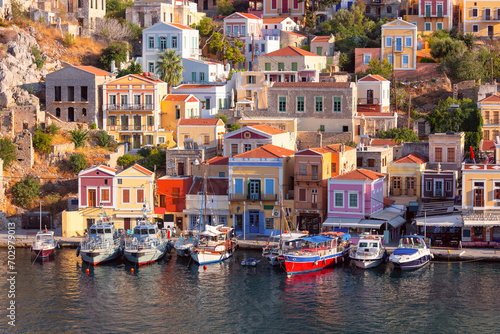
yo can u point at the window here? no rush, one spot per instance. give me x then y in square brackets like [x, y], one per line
[439, 26]
[269, 187]
[478, 194]
[238, 186]
[268, 66]
[104, 195]
[263, 48]
[222, 174]
[353, 200]
[371, 162]
[399, 44]
[194, 221]
[270, 223]
[125, 196]
[202, 76]
[281, 66]
[302, 169]
[174, 42]
[334, 167]
[367, 10]
[406, 61]
[497, 191]
[388, 42]
[322, 128]
[206, 140]
[151, 42]
[428, 185]
[234, 149]
[448, 185]
[247, 147]
[176, 199]
[273, 4]
[337, 104]
[438, 154]
[140, 195]
[300, 104]
[163, 43]
[282, 104]
[389, 9]
[475, 28]
[243, 30]
[71, 93]
[177, 113]
[389, 59]
[367, 58]
[236, 30]
[451, 154]
[319, 104]
[302, 194]
[345, 128]
[228, 30]
[339, 199]
[151, 66]
[249, 48]
[294, 66]
[428, 10]
[84, 112]
[254, 190]
[84, 93]
[314, 172]
[408, 41]
[427, 26]
[57, 93]
[58, 112]
[474, 12]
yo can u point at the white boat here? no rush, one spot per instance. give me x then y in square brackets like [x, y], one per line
[216, 244]
[412, 253]
[186, 241]
[369, 252]
[250, 262]
[285, 242]
[147, 244]
[103, 243]
[44, 244]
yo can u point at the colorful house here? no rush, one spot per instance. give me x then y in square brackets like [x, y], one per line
[446, 150]
[439, 184]
[432, 15]
[212, 97]
[171, 192]
[490, 110]
[284, 8]
[405, 175]
[481, 18]
[214, 167]
[258, 182]
[206, 132]
[343, 159]
[177, 106]
[132, 110]
[399, 44]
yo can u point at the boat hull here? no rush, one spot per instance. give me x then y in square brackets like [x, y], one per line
[144, 256]
[272, 257]
[414, 264]
[183, 251]
[205, 257]
[97, 256]
[45, 252]
[366, 264]
[302, 264]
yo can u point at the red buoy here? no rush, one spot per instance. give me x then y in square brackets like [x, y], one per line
[205, 267]
[87, 271]
[132, 270]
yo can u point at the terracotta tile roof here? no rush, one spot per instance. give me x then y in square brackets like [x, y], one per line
[142, 169]
[491, 98]
[267, 151]
[336, 147]
[383, 142]
[311, 84]
[175, 97]
[321, 39]
[388, 201]
[107, 168]
[267, 129]
[224, 161]
[488, 145]
[412, 158]
[249, 16]
[94, 70]
[274, 20]
[196, 86]
[177, 25]
[199, 121]
[290, 51]
[294, 33]
[373, 77]
[360, 174]
[147, 77]
[214, 186]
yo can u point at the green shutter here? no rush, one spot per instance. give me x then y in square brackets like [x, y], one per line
[281, 66]
[268, 66]
[248, 189]
[294, 66]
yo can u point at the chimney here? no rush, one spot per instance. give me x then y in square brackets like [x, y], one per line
[113, 67]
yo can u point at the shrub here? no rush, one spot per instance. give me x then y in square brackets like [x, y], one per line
[115, 51]
[156, 159]
[222, 117]
[93, 126]
[8, 151]
[79, 137]
[26, 191]
[39, 60]
[52, 129]
[103, 139]
[77, 162]
[42, 142]
[126, 160]
[8, 36]
[69, 40]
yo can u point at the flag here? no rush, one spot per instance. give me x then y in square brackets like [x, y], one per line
[471, 153]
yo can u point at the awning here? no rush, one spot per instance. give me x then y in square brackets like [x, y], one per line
[397, 221]
[160, 211]
[132, 215]
[317, 239]
[386, 214]
[442, 221]
[341, 222]
[209, 212]
[370, 223]
[481, 223]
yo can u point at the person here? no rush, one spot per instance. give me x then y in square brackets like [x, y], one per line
[174, 231]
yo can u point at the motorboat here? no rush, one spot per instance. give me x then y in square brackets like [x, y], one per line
[412, 253]
[285, 241]
[216, 244]
[147, 244]
[45, 244]
[369, 252]
[103, 243]
[186, 241]
[250, 262]
[316, 252]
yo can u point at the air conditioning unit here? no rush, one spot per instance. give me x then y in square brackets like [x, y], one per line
[177, 106]
[276, 213]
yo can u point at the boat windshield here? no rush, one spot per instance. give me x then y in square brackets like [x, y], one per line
[363, 244]
[411, 243]
[100, 231]
[144, 231]
[374, 245]
[44, 237]
[107, 230]
[152, 231]
[92, 231]
[137, 231]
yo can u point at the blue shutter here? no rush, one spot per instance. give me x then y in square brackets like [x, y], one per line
[238, 186]
[262, 225]
[269, 186]
[246, 222]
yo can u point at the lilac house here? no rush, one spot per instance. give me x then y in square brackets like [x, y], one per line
[95, 186]
[356, 202]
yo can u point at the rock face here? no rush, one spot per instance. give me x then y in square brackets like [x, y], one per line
[20, 77]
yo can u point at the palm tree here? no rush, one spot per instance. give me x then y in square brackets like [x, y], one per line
[169, 68]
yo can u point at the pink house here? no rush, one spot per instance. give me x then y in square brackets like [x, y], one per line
[95, 186]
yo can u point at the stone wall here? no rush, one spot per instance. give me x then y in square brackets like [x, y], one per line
[422, 148]
[113, 157]
[188, 158]
[307, 139]
[292, 39]
[64, 126]
[25, 150]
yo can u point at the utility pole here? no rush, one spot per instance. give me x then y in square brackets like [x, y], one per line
[394, 75]
[491, 71]
[409, 112]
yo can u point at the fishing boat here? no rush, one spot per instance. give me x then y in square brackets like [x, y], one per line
[186, 241]
[103, 243]
[250, 262]
[44, 244]
[412, 253]
[216, 244]
[285, 241]
[369, 252]
[316, 252]
[147, 244]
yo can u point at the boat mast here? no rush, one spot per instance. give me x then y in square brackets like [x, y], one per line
[40, 216]
[281, 214]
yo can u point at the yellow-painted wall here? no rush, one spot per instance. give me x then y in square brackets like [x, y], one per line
[73, 224]
[404, 29]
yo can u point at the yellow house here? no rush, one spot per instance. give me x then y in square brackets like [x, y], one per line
[205, 132]
[405, 175]
[481, 17]
[399, 44]
[175, 107]
[490, 110]
[132, 107]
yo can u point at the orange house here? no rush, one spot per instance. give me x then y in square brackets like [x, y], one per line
[171, 194]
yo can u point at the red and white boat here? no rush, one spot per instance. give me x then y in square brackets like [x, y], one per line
[316, 252]
[45, 244]
[285, 242]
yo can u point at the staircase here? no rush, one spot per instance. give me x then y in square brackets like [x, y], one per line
[437, 208]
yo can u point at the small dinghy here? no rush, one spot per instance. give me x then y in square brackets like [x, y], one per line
[250, 262]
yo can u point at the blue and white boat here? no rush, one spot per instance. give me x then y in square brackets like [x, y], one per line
[147, 244]
[412, 253]
[103, 243]
[186, 242]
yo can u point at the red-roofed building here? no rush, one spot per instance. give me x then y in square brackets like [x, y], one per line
[146, 13]
[207, 133]
[171, 192]
[258, 179]
[175, 107]
[405, 175]
[214, 167]
[323, 45]
[254, 136]
[212, 97]
[74, 93]
[490, 110]
[363, 56]
[284, 8]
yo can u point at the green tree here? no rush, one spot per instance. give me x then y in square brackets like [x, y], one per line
[8, 152]
[226, 50]
[116, 8]
[26, 191]
[224, 7]
[133, 68]
[222, 117]
[79, 137]
[115, 51]
[42, 142]
[103, 139]
[467, 65]
[126, 160]
[442, 47]
[399, 135]
[206, 27]
[382, 68]
[157, 158]
[52, 129]
[469, 39]
[169, 68]
[77, 162]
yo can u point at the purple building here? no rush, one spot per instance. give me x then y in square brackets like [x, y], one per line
[437, 184]
[95, 187]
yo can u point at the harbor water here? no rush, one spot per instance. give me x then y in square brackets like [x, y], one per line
[176, 296]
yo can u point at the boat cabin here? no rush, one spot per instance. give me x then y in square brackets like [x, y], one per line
[42, 237]
[101, 231]
[412, 241]
[144, 231]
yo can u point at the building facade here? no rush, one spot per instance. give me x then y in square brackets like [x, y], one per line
[399, 44]
[177, 106]
[490, 110]
[405, 175]
[145, 13]
[171, 192]
[206, 132]
[446, 150]
[212, 97]
[284, 8]
[481, 18]
[432, 15]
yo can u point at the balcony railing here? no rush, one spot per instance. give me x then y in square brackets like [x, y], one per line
[307, 177]
[253, 197]
[131, 128]
[363, 100]
[131, 107]
[439, 14]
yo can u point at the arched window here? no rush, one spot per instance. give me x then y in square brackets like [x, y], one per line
[368, 9]
[84, 112]
[389, 9]
[58, 112]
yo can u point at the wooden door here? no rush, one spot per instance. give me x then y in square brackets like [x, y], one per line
[410, 186]
[126, 223]
[91, 198]
[396, 185]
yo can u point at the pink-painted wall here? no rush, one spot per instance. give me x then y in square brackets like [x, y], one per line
[367, 200]
[433, 4]
[96, 179]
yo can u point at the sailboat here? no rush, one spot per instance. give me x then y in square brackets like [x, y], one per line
[44, 244]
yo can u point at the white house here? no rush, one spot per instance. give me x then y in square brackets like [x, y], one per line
[203, 71]
[212, 97]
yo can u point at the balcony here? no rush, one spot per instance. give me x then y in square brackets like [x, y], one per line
[378, 2]
[373, 100]
[307, 177]
[439, 14]
[130, 107]
[253, 197]
[129, 128]
[487, 17]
